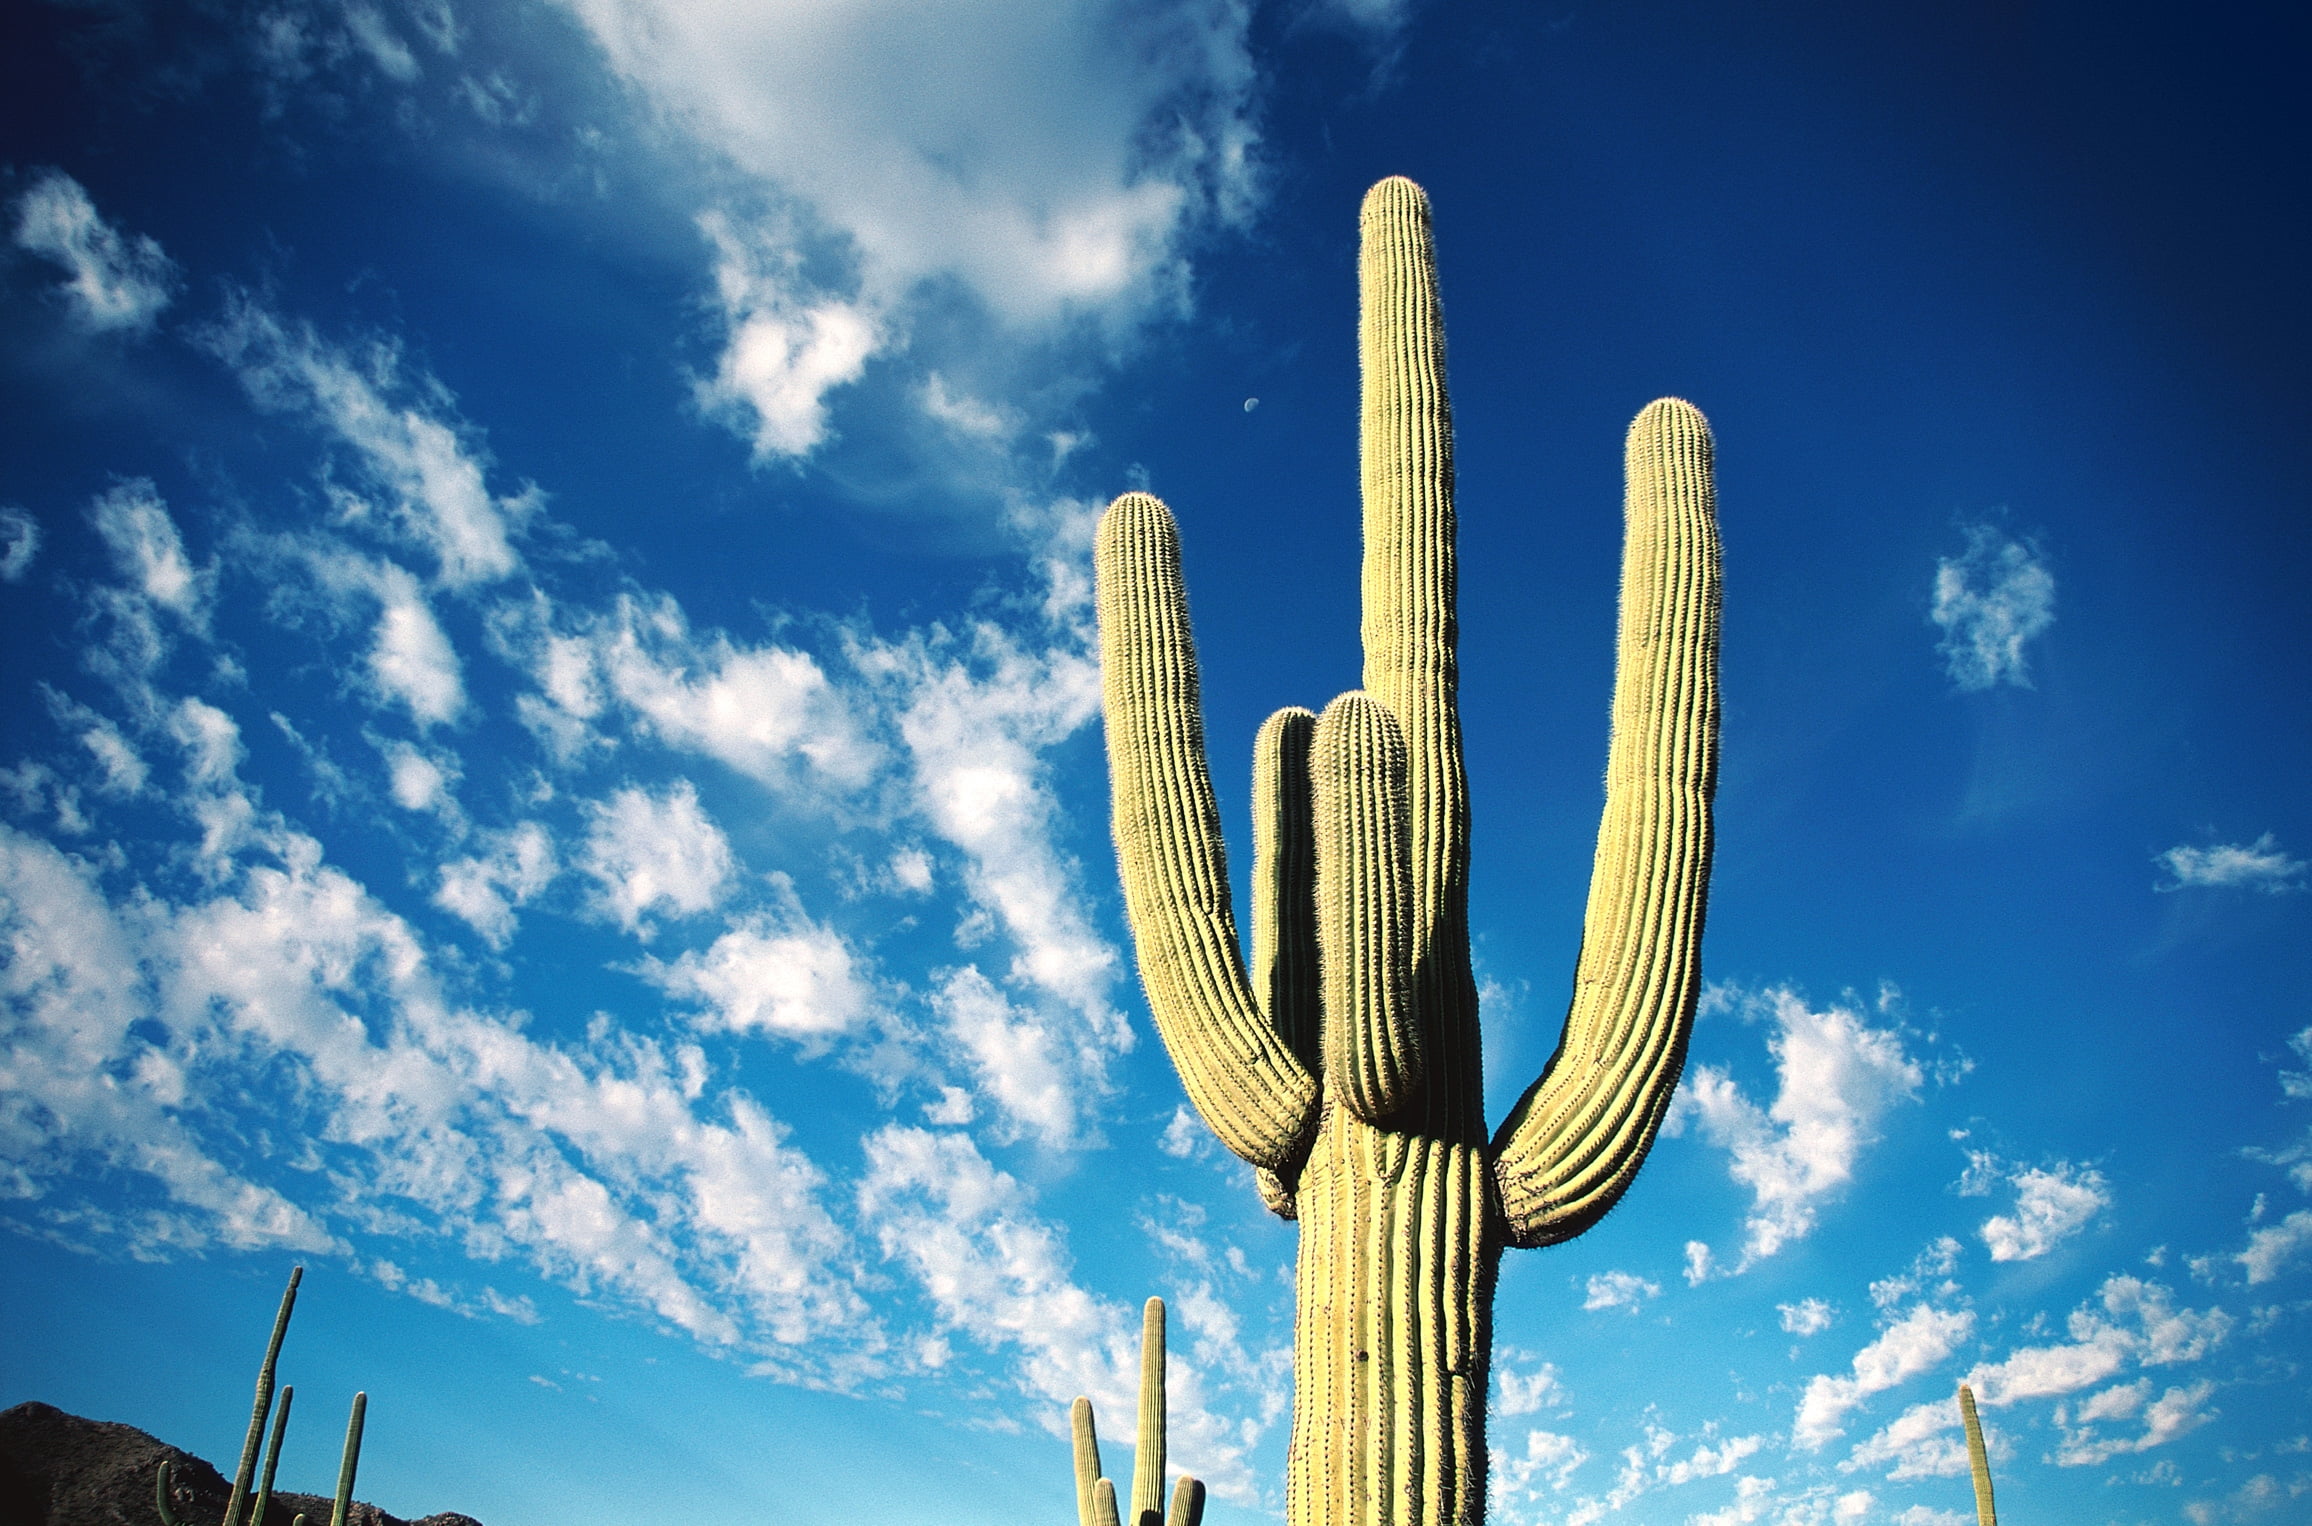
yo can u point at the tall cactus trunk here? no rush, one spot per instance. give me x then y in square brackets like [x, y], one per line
[1393, 1331]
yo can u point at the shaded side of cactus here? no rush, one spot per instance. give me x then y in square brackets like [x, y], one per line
[264, 1403]
[340, 1512]
[1095, 1493]
[1344, 1063]
[1978, 1460]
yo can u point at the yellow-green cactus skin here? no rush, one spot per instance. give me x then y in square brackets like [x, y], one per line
[1342, 1060]
[1978, 1461]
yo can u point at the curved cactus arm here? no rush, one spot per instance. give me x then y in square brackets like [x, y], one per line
[161, 1487]
[272, 1457]
[264, 1402]
[1284, 882]
[1187, 1503]
[342, 1510]
[1243, 1078]
[1570, 1147]
[1148, 1450]
[1410, 581]
[1372, 1057]
[1978, 1460]
[1086, 1438]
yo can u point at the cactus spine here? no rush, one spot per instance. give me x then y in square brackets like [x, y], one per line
[1344, 1065]
[1978, 1461]
[1096, 1495]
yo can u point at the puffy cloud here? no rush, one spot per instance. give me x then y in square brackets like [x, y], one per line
[1619, 1290]
[2260, 865]
[2051, 1205]
[2102, 1344]
[1918, 1342]
[1836, 1078]
[150, 553]
[775, 972]
[651, 851]
[2272, 1247]
[412, 660]
[484, 890]
[1989, 601]
[428, 473]
[115, 281]
[2174, 1413]
[1022, 1061]
[1525, 1393]
[1548, 1462]
[1809, 1316]
[787, 349]
[1916, 1444]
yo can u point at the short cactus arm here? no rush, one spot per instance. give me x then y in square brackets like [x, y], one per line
[1084, 1433]
[1372, 1057]
[1572, 1144]
[272, 1457]
[1284, 892]
[1187, 1504]
[1148, 1449]
[342, 1512]
[1243, 1077]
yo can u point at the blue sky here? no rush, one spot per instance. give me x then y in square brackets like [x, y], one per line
[552, 770]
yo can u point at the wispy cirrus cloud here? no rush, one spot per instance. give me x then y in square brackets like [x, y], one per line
[115, 282]
[1990, 601]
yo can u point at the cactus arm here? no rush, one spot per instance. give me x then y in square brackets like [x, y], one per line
[1086, 1438]
[1240, 1074]
[1978, 1461]
[341, 1512]
[161, 1493]
[1148, 1452]
[1187, 1503]
[1570, 1147]
[1284, 893]
[1104, 1504]
[1372, 1058]
[264, 1402]
[1410, 579]
[272, 1458]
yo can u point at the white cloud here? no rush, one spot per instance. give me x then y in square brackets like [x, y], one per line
[2050, 1207]
[1916, 1444]
[149, 552]
[1836, 1077]
[2272, 1247]
[1548, 1462]
[1182, 1135]
[1990, 600]
[787, 349]
[429, 473]
[775, 972]
[1043, 159]
[1619, 1290]
[2260, 865]
[652, 851]
[412, 660]
[1022, 1062]
[484, 890]
[1809, 1316]
[19, 543]
[2102, 1344]
[1526, 1393]
[2174, 1413]
[999, 1275]
[1918, 1342]
[116, 282]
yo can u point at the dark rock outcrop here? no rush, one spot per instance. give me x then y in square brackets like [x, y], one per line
[60, 1470]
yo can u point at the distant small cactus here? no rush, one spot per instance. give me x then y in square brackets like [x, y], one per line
[1095, 1494]
[1977, 1459]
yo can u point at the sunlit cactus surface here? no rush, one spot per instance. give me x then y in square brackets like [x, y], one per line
[1341, 1059]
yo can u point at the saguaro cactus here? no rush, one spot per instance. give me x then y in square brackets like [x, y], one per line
[1978, 1461]
[1095, 1493]
[1344, 1066]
